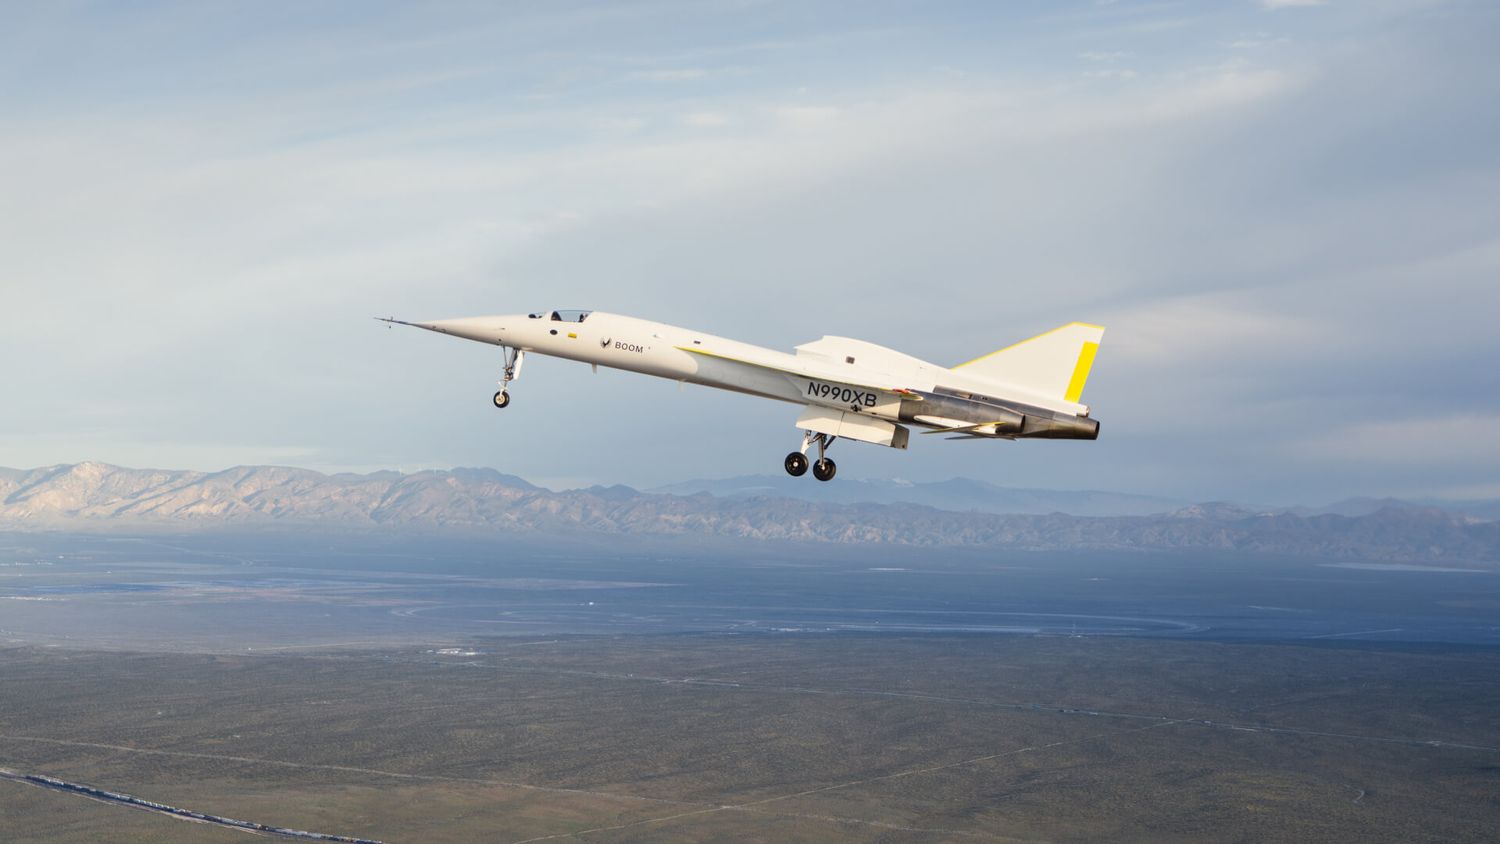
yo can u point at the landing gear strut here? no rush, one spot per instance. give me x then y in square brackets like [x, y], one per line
[823, 469]
[513, 358]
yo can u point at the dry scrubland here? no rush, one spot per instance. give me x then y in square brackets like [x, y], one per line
[795, 738]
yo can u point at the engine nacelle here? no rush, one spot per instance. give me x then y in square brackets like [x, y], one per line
[999, 420]
[1060, 428]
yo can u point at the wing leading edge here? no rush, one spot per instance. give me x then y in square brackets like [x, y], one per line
[822, 373]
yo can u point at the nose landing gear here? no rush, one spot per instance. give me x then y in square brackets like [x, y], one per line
[823, 469]
[513, 358]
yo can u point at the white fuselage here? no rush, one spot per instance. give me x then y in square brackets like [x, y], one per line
[834, 372]
[653, 348]
[847, 389]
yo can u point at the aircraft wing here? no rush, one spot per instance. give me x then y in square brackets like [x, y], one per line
[809, 369]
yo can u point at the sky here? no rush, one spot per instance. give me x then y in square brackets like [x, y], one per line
[1286, 213]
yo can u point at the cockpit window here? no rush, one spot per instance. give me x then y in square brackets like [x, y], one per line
[571, 316]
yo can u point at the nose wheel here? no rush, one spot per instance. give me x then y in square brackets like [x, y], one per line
[512, 371]
[823, 469]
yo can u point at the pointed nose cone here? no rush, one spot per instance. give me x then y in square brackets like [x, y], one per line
[483, 329]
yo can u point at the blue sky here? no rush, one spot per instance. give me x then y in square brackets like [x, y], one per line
[1285, 212]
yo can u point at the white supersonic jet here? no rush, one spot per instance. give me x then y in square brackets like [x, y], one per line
[849, 389]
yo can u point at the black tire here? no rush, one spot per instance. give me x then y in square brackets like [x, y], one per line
[502, 399]
[796, 464]
[825, 469]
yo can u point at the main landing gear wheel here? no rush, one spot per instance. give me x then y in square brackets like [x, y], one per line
[824, 469]
[796, 464]
[502, 399]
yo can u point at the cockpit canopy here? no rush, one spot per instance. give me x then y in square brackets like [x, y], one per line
[562, 316]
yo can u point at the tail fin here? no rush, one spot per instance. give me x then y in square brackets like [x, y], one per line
[1055, 364]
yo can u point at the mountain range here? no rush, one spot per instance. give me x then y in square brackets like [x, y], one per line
[99, 496]
[958, 494]
[969, 495]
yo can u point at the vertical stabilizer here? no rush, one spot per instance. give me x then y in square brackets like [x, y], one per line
[1055, 364]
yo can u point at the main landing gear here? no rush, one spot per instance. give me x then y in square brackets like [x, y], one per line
[513, 358]
[823, 469]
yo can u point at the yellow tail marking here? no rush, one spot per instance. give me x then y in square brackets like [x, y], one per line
[572, 335]
[1081, 371]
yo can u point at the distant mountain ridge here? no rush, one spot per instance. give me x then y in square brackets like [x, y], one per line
[99, 496]
[961, 495]
[1363, 506]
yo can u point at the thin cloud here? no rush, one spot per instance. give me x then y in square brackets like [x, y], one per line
[708, 119]
[1464, 440]
[681, 74]
[1256, 41]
